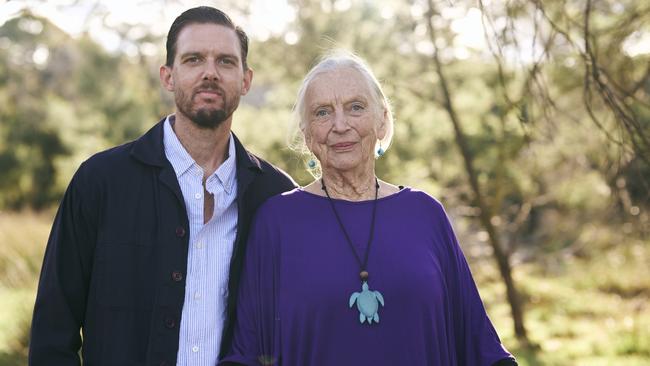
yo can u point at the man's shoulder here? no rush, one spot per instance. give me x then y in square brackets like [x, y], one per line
[147, 149]
[269, 180]
[275, 173]
[111, 160]
[110, 170]
[270, 173]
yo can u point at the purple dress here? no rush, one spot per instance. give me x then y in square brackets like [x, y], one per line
[299, 273]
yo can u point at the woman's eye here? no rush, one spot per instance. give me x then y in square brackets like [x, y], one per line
[357, 109]
[321, 113]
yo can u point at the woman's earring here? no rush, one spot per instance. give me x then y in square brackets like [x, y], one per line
[380, 151]
[311, 163]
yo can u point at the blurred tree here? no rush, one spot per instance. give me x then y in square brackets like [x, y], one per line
[29, 142]
[62, 99]
[487, 213]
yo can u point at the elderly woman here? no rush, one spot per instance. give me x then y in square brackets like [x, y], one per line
[352, 270]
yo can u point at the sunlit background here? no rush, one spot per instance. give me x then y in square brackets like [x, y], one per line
[528, 119]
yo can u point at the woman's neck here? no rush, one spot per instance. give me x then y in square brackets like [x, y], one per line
[350, 186]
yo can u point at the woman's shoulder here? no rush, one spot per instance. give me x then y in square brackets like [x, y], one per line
[283, 203]
[419, 198]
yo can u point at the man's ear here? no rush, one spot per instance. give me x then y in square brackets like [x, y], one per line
[247, 81]
[166, 78]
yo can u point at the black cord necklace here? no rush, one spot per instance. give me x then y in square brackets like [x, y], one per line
[367, 300]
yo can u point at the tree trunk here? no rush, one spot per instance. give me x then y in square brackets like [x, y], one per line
[501, 257]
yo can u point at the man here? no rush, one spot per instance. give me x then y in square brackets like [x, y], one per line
[146, 248]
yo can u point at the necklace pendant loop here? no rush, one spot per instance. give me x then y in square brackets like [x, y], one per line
[364, 276]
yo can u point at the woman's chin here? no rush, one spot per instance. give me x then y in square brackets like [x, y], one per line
[343, 166]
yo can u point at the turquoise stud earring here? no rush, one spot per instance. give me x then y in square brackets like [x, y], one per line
[380, 151]
[311, 164]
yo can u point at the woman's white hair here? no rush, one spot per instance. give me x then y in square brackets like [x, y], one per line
[334, 60]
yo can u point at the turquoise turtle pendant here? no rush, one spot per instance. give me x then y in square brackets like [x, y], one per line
[367, 303]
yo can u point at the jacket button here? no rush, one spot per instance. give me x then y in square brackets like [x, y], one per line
[177, 276]
[164, 363]
[170, 322]
[180, 232]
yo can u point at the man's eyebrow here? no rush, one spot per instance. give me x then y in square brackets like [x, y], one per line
[191, 53]
[230, 55]
[220, 55]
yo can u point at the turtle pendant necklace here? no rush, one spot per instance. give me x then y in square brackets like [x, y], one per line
[367, 300]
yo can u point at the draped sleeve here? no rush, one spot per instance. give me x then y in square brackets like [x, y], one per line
[476, 340]
[256, 339]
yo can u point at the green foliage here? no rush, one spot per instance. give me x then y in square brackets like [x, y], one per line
[60, 100]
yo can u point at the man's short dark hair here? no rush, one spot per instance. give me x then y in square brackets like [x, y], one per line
[202, 15]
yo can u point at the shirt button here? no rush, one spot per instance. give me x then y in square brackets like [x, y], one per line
[197, 196]
[177, 276]
[195, 349]
[197, 295]
[199, 245]
[180, 232]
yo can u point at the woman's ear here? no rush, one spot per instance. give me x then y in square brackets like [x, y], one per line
[382, 129]
[307, 136]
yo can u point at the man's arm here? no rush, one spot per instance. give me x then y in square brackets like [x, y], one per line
[63, 286]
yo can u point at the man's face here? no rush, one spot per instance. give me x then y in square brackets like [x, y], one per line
[207, 77]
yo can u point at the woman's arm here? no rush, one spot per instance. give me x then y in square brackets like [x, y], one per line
[254, 340]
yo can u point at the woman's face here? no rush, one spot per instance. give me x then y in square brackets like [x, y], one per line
[343, 120]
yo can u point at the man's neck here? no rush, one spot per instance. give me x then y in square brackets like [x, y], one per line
[207, 146]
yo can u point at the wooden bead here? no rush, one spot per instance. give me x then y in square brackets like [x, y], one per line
[363, 275]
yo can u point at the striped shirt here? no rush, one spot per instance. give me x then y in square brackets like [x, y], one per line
[209, 252]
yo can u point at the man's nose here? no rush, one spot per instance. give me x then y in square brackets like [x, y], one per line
[211, 71]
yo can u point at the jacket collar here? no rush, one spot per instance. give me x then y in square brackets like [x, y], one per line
[149, 149]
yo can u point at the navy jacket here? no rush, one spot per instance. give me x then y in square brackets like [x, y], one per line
[116, 258]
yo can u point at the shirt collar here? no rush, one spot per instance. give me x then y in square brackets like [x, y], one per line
[228, 169]
[181, 160]
[176, 154]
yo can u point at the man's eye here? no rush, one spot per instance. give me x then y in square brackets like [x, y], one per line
[192, 59]
[227, 61]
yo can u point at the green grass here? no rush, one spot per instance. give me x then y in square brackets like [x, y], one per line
[22, 242]
[587, 308]
[587, 311]
[14, 324]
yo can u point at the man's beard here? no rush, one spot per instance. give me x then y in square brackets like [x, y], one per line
[208, 118]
